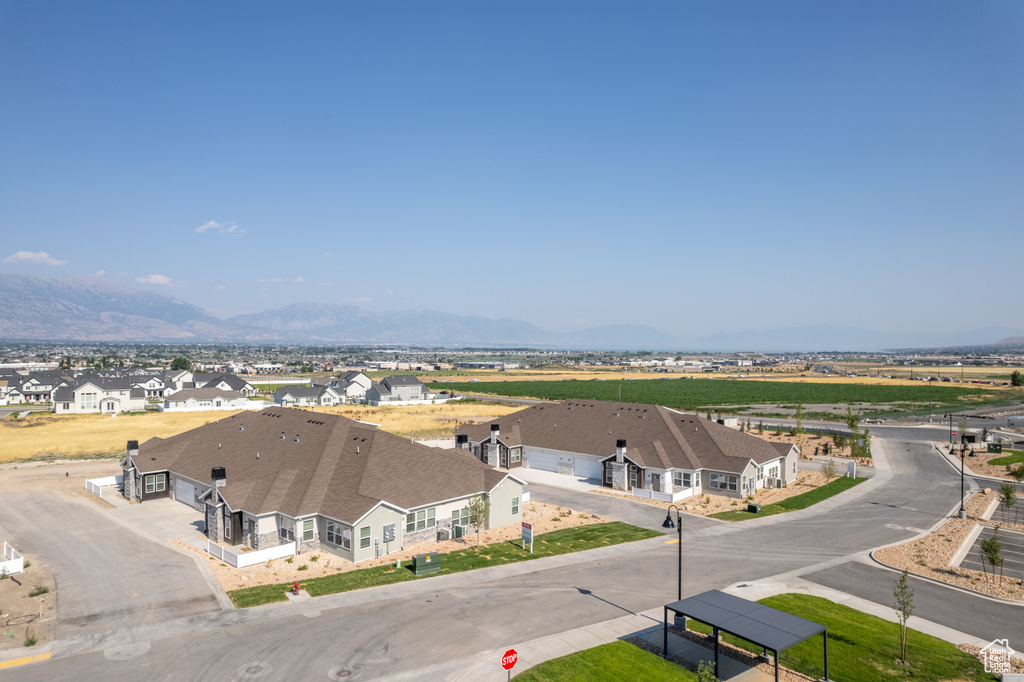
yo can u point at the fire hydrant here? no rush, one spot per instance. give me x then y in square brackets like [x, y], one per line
[296, 590]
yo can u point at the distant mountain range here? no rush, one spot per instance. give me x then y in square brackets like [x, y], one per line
[92, 309]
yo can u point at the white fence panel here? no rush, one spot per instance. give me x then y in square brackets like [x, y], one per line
[96, 485]
[243, 559]
[641, 492]
[13, 562]
[526, 496]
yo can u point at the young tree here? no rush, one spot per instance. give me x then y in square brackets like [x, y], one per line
[477, 511]
[1016, 378]
[1007, 499]
[992, 550]
[1017, 472]
[798, 430]
[760, 427]
[865, 448]
[903, 593]
[830, 470]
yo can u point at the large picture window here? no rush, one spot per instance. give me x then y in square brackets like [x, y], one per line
[156, 483]
[722, 481]
[287, 530]
[340, 535]
[682, 480]
[515, 455]
[460, 517]
[420, 520]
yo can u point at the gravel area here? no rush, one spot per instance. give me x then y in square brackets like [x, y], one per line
[22, 616]
[544, 517]
[930, 555]
[980, 465]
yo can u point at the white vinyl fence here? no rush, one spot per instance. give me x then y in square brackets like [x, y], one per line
[663, 497]
[96, 485]
[243, 559]
[13, 562]
[443, 443]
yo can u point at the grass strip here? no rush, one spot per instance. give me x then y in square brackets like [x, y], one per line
[549, 544]
[862, 647]
[801, 501]
[614, 661]
[1015, 457]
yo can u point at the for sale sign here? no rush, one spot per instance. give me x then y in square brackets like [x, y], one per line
[528, 535]
[508, 661]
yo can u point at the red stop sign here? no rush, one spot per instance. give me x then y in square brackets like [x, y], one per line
[508, 661]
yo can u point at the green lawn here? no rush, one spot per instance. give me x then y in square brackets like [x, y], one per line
[612, 662]
[801, 501]
[863, 648]
[1014, 457]
[549, 544]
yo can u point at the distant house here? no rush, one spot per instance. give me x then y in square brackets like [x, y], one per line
[352, 385]
[649, 450]
[320, 482]
[306, 396]
[95, 395]
[225, 382]
[200, 399]
[401, 389]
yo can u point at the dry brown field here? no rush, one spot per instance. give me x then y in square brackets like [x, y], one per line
[43, 433]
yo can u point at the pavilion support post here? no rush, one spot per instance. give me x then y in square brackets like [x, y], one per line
[664, 634]
[825, 640]
[715, 635]
[776, 664]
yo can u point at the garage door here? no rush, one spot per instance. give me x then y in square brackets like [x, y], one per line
[588, 468]
[543, 462]
[184, 492]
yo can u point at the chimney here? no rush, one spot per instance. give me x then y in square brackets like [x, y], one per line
[133, 449]
[462, 441]
[620, 450]
[494, 433]
[218, 476]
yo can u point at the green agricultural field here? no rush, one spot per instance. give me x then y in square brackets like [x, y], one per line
[694, 393]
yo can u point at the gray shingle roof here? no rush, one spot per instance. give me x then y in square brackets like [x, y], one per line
[655, 436]
[204, 394]
[338, 467]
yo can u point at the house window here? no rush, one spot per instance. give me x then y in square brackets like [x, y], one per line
[608, 473]
[364, 537]
[794, 466]
[632, 475]
[723, 482]
[420, 520]
[515, 455]
[681, 480]
[88, 401]
[227, 523]
[774, 471]
[287, 530]
[760, 473]
[515, 506]
[155, 483]
[696, 480]
[307, 530]
[340, 535]
[460, 517]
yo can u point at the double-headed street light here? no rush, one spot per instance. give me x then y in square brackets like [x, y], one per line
[964, 452]
[678, 523]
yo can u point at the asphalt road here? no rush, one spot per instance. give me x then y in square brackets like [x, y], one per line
[1012, 553]
[108, 576]
[398, 631]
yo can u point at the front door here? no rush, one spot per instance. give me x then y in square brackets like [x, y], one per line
[656, 482]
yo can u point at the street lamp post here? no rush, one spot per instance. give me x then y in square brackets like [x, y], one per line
[965, 449]
[678, 524]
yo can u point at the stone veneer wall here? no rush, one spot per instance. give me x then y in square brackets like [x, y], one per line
[214, 514]
[130, 489]
[492, 455]
[620, 479]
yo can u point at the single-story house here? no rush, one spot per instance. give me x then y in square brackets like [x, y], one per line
[401, 389]
[322, 481]
[633, 447]
[200, 399]
[306, 396]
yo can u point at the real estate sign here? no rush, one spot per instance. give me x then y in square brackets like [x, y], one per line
[528, 535]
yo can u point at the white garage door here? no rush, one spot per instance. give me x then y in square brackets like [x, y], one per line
[543, 462]
[184, 492]
[588, 468]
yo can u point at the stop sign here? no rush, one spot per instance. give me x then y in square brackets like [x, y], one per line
[508, 661]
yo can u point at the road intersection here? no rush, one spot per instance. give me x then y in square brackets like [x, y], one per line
[421, 629]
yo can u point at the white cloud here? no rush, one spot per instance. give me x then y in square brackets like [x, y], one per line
[220, 287]
[223, 228]
[270, 281]
[99, 273]
[153, 279]
[40, 258]
[300, 280]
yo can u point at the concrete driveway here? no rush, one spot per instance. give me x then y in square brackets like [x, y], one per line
[109, 576]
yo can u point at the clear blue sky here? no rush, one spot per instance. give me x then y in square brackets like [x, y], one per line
[698, 167]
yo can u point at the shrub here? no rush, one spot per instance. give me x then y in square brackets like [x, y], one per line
[315, 557]
[289, 560]
[303, 567]
[30, 641]
[38, 590]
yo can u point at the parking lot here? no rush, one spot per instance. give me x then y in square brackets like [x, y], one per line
[1012, 553]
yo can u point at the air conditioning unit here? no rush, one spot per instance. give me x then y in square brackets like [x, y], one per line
[772, 482]
[459, 531]
[443, 534]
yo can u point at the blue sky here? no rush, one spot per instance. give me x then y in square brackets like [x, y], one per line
[695, 167]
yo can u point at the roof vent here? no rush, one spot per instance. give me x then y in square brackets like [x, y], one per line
[282, 435]
[241, 427]
[296, 438]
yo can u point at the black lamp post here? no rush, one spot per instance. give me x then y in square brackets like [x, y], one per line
[678, 523]
[965, 449]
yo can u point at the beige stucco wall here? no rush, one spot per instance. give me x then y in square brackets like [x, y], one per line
[501, 503]
[376, 520]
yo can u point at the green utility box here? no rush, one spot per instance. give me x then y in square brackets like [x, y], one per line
[754, 508]
[995, 447]
[426, 563]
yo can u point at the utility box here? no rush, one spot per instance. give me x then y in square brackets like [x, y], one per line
[754, 508]
[423, 564]
[995, 447]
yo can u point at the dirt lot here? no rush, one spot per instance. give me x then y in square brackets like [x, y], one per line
[544, 518]
[23, 616]
[929, 556]
[809, 444]
[980, 465]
